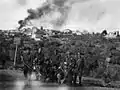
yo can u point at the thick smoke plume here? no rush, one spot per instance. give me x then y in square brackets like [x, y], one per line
[53, 12]
[35, 14]
[59, 14]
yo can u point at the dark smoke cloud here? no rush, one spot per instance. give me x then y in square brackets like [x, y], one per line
[61, 6]
[54, 5]
[37, 13]
[46, 8]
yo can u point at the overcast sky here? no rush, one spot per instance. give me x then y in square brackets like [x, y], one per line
[96, 15]
[92, 14]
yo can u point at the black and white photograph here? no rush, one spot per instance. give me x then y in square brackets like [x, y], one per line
[59, 44]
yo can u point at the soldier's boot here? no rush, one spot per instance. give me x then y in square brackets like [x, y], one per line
[75, 79]
[80, 84]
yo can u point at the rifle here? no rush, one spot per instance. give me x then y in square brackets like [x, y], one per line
[28, 65]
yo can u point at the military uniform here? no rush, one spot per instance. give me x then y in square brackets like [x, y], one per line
[27, 63]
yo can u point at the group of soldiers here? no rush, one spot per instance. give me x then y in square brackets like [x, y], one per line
[61, 67]
[68, 70]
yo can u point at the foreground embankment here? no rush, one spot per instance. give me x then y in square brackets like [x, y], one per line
[9, 75]
[88, 83]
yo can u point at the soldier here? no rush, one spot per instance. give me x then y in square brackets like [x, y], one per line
[80, 70]
[60, 75]
[68, 69]
[75, 71]
[80, 67]
[27, 62]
